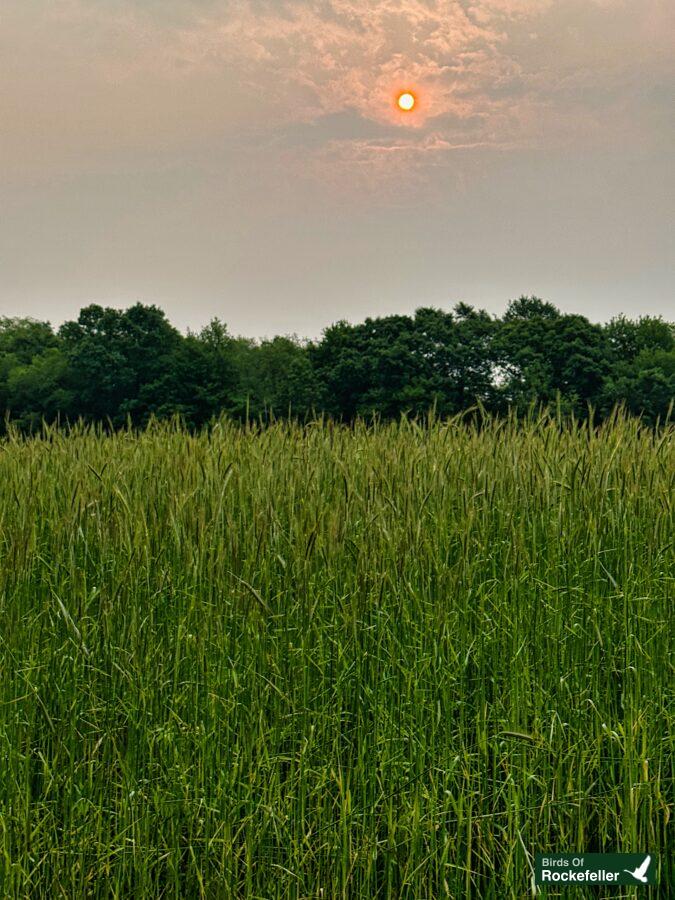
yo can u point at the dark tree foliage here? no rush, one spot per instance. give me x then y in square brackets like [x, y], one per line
[281, 381]
[33, 373]
[118, 361]
[642, 376]
[398, 364]
[115, 366]
[544, 356]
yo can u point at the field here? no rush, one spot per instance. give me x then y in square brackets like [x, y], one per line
[378, 662]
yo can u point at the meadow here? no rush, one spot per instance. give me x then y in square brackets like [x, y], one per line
[385, 661]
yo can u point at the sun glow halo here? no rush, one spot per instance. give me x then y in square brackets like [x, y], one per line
[406, 101]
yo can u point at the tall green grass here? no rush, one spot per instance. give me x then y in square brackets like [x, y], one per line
[380, 662]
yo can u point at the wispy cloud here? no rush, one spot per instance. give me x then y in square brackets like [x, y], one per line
[497, 73]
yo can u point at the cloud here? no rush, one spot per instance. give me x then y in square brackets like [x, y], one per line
[313, 59]
[494, 73]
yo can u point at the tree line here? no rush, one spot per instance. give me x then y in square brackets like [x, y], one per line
[118, 366]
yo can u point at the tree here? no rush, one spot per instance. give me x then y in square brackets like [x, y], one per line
[545, 356]
[643, 366]
[458, 347]
[398, 364]
[118, 361]
[369, 369]
[341, 369]
[629, 337]
[281, 380]
[37, 391]
[32, 371]
[25, 338]
[113, 365]
[228, 370]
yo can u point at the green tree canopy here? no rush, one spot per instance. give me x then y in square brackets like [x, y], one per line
[118, 360]
[111, 365]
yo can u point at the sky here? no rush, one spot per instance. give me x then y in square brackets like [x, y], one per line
[246, 159]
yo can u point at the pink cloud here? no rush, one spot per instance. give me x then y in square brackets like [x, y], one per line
[487, 72]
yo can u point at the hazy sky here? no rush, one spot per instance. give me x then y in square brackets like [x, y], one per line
[245, 158]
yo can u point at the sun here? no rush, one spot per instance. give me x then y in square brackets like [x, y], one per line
[406, 101]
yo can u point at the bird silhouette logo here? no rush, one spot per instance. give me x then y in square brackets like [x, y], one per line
[640, 874]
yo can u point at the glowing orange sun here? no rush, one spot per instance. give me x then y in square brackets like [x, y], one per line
[406, 101]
